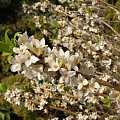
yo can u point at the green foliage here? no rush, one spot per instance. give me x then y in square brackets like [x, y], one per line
[26, 114]
[39, 118]
[112, 17]
[3, 87]
[7, 45]
[7, 39]
[4, 47]
[15, 38]
[89, 11]
[67, 88]
[106, 101]
[54, 25]
[54, 29]
[4, 114]
[89, 105]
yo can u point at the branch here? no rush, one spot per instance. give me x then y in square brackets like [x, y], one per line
[105, 83]
[111, 28]
[64, 110]
[109, 5]
[116, 21]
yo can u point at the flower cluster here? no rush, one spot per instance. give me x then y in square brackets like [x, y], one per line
[78, 73]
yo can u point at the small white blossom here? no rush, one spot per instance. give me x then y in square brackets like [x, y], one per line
[66, 75]
[30, 59]
[96, 85]
[20, 50]
[23, 38]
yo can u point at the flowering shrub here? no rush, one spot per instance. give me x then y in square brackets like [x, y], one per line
[79, 73]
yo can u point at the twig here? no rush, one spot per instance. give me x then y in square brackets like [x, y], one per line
[117, 21]
[64, 110]
[69, 95]
[105, 83]
[110, 6]
[111, 28]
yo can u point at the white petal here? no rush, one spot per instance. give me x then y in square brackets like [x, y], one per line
[51, 62]
[16, 50]
[17, 58]
[61, 80]
[63, 71]
[42, 42]
[36, 43]
[16, 67]
[71, 73]
[67, 80]
[69, 67]
[27, 53]
[96, 85]
[67, 54]
[75, 68]
[80, 85]
[85, 82]
[21, 58]
[22, 48]
[33, 59]
[61, 52]
[28, 63]
[23, 39]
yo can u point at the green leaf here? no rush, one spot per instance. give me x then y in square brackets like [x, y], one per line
[9, 57]
[4, 47]
[7, 40]
[2, 116]
[5, 54]
[7, 116]
[106, 101]
[54, 25]
[109, 104]
[3, 87]
[97, 40]
[67, 88]
[14, 39]
[89, 10]
[39, 118]
[89, 105]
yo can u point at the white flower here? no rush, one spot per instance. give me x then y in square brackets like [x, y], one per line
[23, 38]
[96, 85]
[36, 46]
[60, 53]
[82, 83]
[30, 58]
[66, 75]
[54, 65]
[106, 63]
[20, 50]
[42, 104]
[73, 62]
[16, 67]
[37, 43]
[16, 62]
[80, 116]
[85, 82]
[93, 116]
[69, 31]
